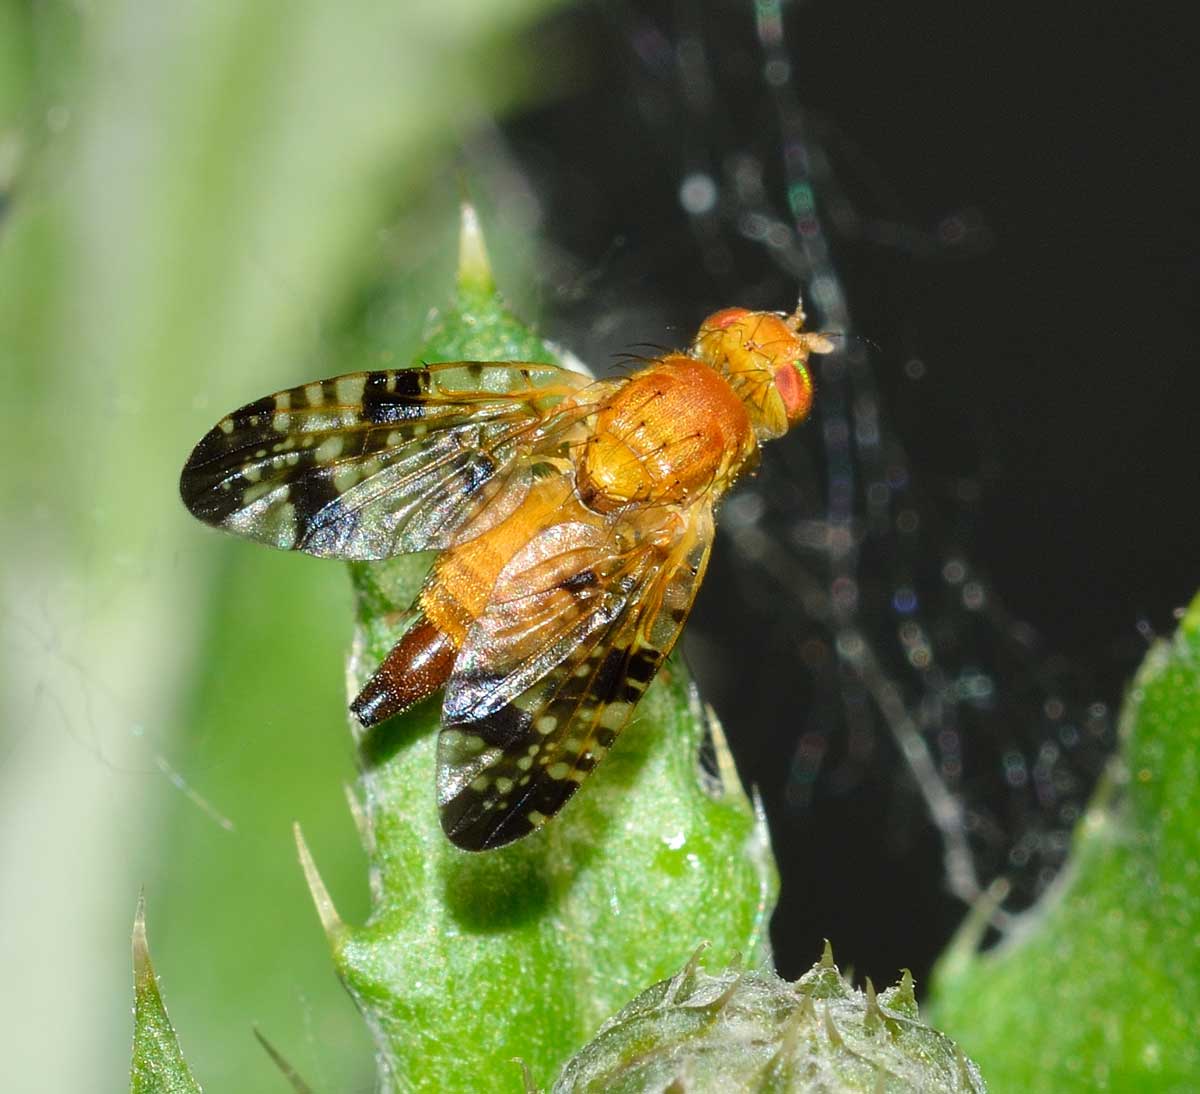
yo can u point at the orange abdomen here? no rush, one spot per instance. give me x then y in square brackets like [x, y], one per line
[673, 431]
[454, 596]
[461, 581]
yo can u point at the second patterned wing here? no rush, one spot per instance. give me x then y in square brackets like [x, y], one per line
[576, 629]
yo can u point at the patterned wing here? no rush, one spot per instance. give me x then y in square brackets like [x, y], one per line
[375, 464]
[549, 675]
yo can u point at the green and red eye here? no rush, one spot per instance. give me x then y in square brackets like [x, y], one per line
[795, 387]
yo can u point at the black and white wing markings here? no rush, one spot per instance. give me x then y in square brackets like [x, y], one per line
[529, 713]
[375, 464]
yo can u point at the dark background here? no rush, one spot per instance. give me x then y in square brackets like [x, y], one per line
[1015, 208]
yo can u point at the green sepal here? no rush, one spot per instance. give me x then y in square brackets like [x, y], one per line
[158, 1065]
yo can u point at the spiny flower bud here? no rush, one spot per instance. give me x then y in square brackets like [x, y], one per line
[740, 1031]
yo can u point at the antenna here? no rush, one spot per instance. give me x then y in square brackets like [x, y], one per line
[795, 321]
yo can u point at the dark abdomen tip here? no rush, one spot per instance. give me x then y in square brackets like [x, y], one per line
[418, 665]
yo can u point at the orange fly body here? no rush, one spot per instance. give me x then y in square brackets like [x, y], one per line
[574, 519]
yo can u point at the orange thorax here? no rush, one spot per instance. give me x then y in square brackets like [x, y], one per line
[674, 431]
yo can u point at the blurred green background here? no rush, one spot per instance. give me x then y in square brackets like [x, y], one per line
[202, 202]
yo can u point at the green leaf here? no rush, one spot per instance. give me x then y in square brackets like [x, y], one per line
[749, 1032]
[1100, 988]
[469, 960]
[158, 1064]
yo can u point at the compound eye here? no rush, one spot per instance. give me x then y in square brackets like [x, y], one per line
[795, 388]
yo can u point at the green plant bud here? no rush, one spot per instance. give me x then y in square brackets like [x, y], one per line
[749, 1031]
